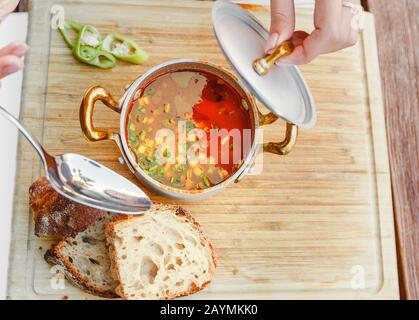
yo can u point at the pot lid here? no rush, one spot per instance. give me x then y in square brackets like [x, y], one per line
[283, 89]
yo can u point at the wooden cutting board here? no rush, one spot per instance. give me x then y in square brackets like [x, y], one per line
[316, 223]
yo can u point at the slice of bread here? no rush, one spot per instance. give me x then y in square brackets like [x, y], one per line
[56, 216]
[85, 259]
[162, 254]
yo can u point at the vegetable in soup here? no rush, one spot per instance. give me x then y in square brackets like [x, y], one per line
[188, 129]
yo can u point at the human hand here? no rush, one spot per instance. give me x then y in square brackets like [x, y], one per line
[11, 58]
[11, 55]
[334, 30]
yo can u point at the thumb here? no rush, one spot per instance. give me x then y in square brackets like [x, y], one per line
[282, 23]
[10, 64]
[6, 7]
[306, 48]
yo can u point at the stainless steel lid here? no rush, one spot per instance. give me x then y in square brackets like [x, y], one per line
[283, 90]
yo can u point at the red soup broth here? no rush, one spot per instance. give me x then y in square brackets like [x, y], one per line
[193, 105]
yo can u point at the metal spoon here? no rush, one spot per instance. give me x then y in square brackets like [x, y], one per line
[86, 181]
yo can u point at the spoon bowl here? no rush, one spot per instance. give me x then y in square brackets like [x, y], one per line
[86, 181]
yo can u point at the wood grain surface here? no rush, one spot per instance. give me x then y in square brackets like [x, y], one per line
[309, 226]
[397, 24]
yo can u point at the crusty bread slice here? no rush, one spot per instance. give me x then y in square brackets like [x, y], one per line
[85, 259]
[55, 216]
[162, 254]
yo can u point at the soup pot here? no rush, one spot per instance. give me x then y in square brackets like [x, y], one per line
[98, 93]
[282, 90]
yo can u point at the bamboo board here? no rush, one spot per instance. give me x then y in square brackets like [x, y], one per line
[316, 223]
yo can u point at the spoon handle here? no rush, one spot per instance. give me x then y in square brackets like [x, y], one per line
[34, 142]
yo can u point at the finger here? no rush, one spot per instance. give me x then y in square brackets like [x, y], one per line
[305, 52]
[298, 38]
[10, 64]
[15, 48]
[327, 22]
[6, 7]
[282, 23]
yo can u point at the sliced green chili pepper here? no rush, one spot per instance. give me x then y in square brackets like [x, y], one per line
[90, 36]
[69, 25]
[85, 53]
[206, 181]
[124, 48]
[87, 49]
[103, 60]
[90, 49]
[76, 26]
[189, 126]
[149, 91]
[182, 168]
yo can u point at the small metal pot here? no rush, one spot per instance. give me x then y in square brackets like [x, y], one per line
[96, 93]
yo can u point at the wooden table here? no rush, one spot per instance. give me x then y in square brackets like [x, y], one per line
[397, 23]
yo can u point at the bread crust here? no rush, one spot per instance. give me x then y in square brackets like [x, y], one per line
[179, 211]
[55, 257]
[55, 216]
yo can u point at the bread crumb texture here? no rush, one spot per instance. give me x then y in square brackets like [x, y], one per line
[161, 254]
[86, 259]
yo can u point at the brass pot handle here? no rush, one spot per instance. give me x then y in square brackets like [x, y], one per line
[262, 67]
[92, 95]
[285, 146]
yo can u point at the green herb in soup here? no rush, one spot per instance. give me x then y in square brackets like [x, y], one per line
[189, 107]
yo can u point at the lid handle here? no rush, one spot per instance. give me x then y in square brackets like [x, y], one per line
[263, 65]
